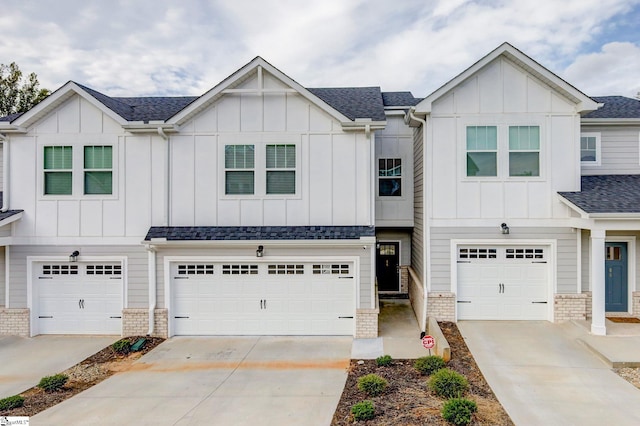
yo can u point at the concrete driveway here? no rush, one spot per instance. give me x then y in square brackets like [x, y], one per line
[218, 381]
[24, 361]
[543, 375]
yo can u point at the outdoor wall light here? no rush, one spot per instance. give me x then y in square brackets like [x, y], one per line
[504, 228]
[260, 251]
[73, 257]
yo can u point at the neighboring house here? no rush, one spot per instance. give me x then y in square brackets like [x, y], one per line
[264, 207]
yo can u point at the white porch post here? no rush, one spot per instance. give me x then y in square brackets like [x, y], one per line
[597, 282]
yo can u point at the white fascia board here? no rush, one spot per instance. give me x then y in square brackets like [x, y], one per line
[161, 242]
[582, 101]
[610, 121]
[213, 94]
[573, 207]
[77, 241]
[51, 102]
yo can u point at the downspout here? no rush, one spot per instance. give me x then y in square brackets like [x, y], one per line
[167, 169]
[151, 254]
[426, 255]
[5, 173]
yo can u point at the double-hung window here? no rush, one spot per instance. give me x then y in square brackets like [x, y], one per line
[482, 151]
[239, 164]
[98, 170]
[390, 177]
[590, 149]
[281, 169]
[524, 151]
[58, 170]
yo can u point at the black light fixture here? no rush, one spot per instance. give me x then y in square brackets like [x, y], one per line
[504, 228]
[73, 257]
[260, 251]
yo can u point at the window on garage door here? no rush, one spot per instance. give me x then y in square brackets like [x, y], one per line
[285, 269]
[195, 269]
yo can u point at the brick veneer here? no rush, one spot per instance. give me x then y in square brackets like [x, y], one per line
[135, 322]
[570, 307]
[14, 321]
[367, 323]
[441, 306]
[404, 279]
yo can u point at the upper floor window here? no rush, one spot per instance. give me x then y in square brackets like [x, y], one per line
[482, 151]
[239, 164]
[58, 170]
[590, 149]
[390, 177]
[281, 169]
[524, 151]
[98, 170]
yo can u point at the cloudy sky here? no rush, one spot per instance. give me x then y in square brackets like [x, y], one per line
[165, 47]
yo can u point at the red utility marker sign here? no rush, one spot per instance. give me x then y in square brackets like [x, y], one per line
[428, 342]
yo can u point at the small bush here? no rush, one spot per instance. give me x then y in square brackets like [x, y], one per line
[8, 403]
[364, 410]
[53, 383]
[372, 384]
[448, 383]
[384, 360]
[428, 365]
[122, 346]
[458, 411]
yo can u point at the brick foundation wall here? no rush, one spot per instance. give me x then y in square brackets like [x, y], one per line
[635, 297]
[14, 321]
[135, 322]
[588, 307]
[367, 323]
[568, 307]
[442, 306]
[404, 279]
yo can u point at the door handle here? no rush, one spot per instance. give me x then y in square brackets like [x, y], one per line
[261, 304]
[265, 303]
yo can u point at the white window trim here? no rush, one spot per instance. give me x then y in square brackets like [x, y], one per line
[598, 137]
[77, 171]
[402, 178]
[502, 151]
[259, 169]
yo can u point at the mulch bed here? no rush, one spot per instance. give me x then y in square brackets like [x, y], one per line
[626, 320]
[83, 375]
[407, 401]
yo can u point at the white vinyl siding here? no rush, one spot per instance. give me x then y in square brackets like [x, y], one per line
[619, 150]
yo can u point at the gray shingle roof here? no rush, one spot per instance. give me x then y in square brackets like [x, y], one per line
[354, 102]
[399, 99]
[11, 117]
[234, 233]
[8, 213]
[607, 194]
[616, 107]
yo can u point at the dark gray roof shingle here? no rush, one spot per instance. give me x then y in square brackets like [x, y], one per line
[11, 117]
[399, 99]
[607, 194]
[616, 107]
[354, 102]
[8, 213]
[234, 233]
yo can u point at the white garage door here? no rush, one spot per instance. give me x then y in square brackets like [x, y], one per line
[502, 283]
[263, 298]
[79, 298]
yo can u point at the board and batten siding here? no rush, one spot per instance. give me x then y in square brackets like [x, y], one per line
[417, 239]
[240, 254]
[620, 153]
[3, 277]
[1, 167]
[137, 269]
[395, 141]
[333, 167]
[138, 161]
[566, 256]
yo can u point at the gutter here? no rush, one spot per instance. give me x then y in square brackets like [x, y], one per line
[167, 180]
[151, 253]
[426, 255]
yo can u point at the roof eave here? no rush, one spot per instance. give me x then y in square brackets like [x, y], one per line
[243, 243]
[609, 121]
[583, 214]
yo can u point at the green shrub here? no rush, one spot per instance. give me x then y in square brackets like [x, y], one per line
[53, 383]
[372, 384]
[384, 360]
[458, 411]
[10, 402]
[364, 410]
[122, 346]
[429, 364]
[448, 383]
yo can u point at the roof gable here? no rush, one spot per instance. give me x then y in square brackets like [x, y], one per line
[582, 101]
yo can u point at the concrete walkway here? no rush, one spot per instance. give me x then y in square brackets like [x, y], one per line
[218, 381]
[25, 360]
[543, 374]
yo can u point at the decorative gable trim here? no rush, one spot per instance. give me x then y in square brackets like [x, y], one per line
[583, 102]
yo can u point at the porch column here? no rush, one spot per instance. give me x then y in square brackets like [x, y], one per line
[597, 282]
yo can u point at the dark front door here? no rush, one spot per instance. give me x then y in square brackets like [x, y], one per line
[387, 266]
[615, 265]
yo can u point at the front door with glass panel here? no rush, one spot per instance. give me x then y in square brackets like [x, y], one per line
[616, 281]
[387, 266]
